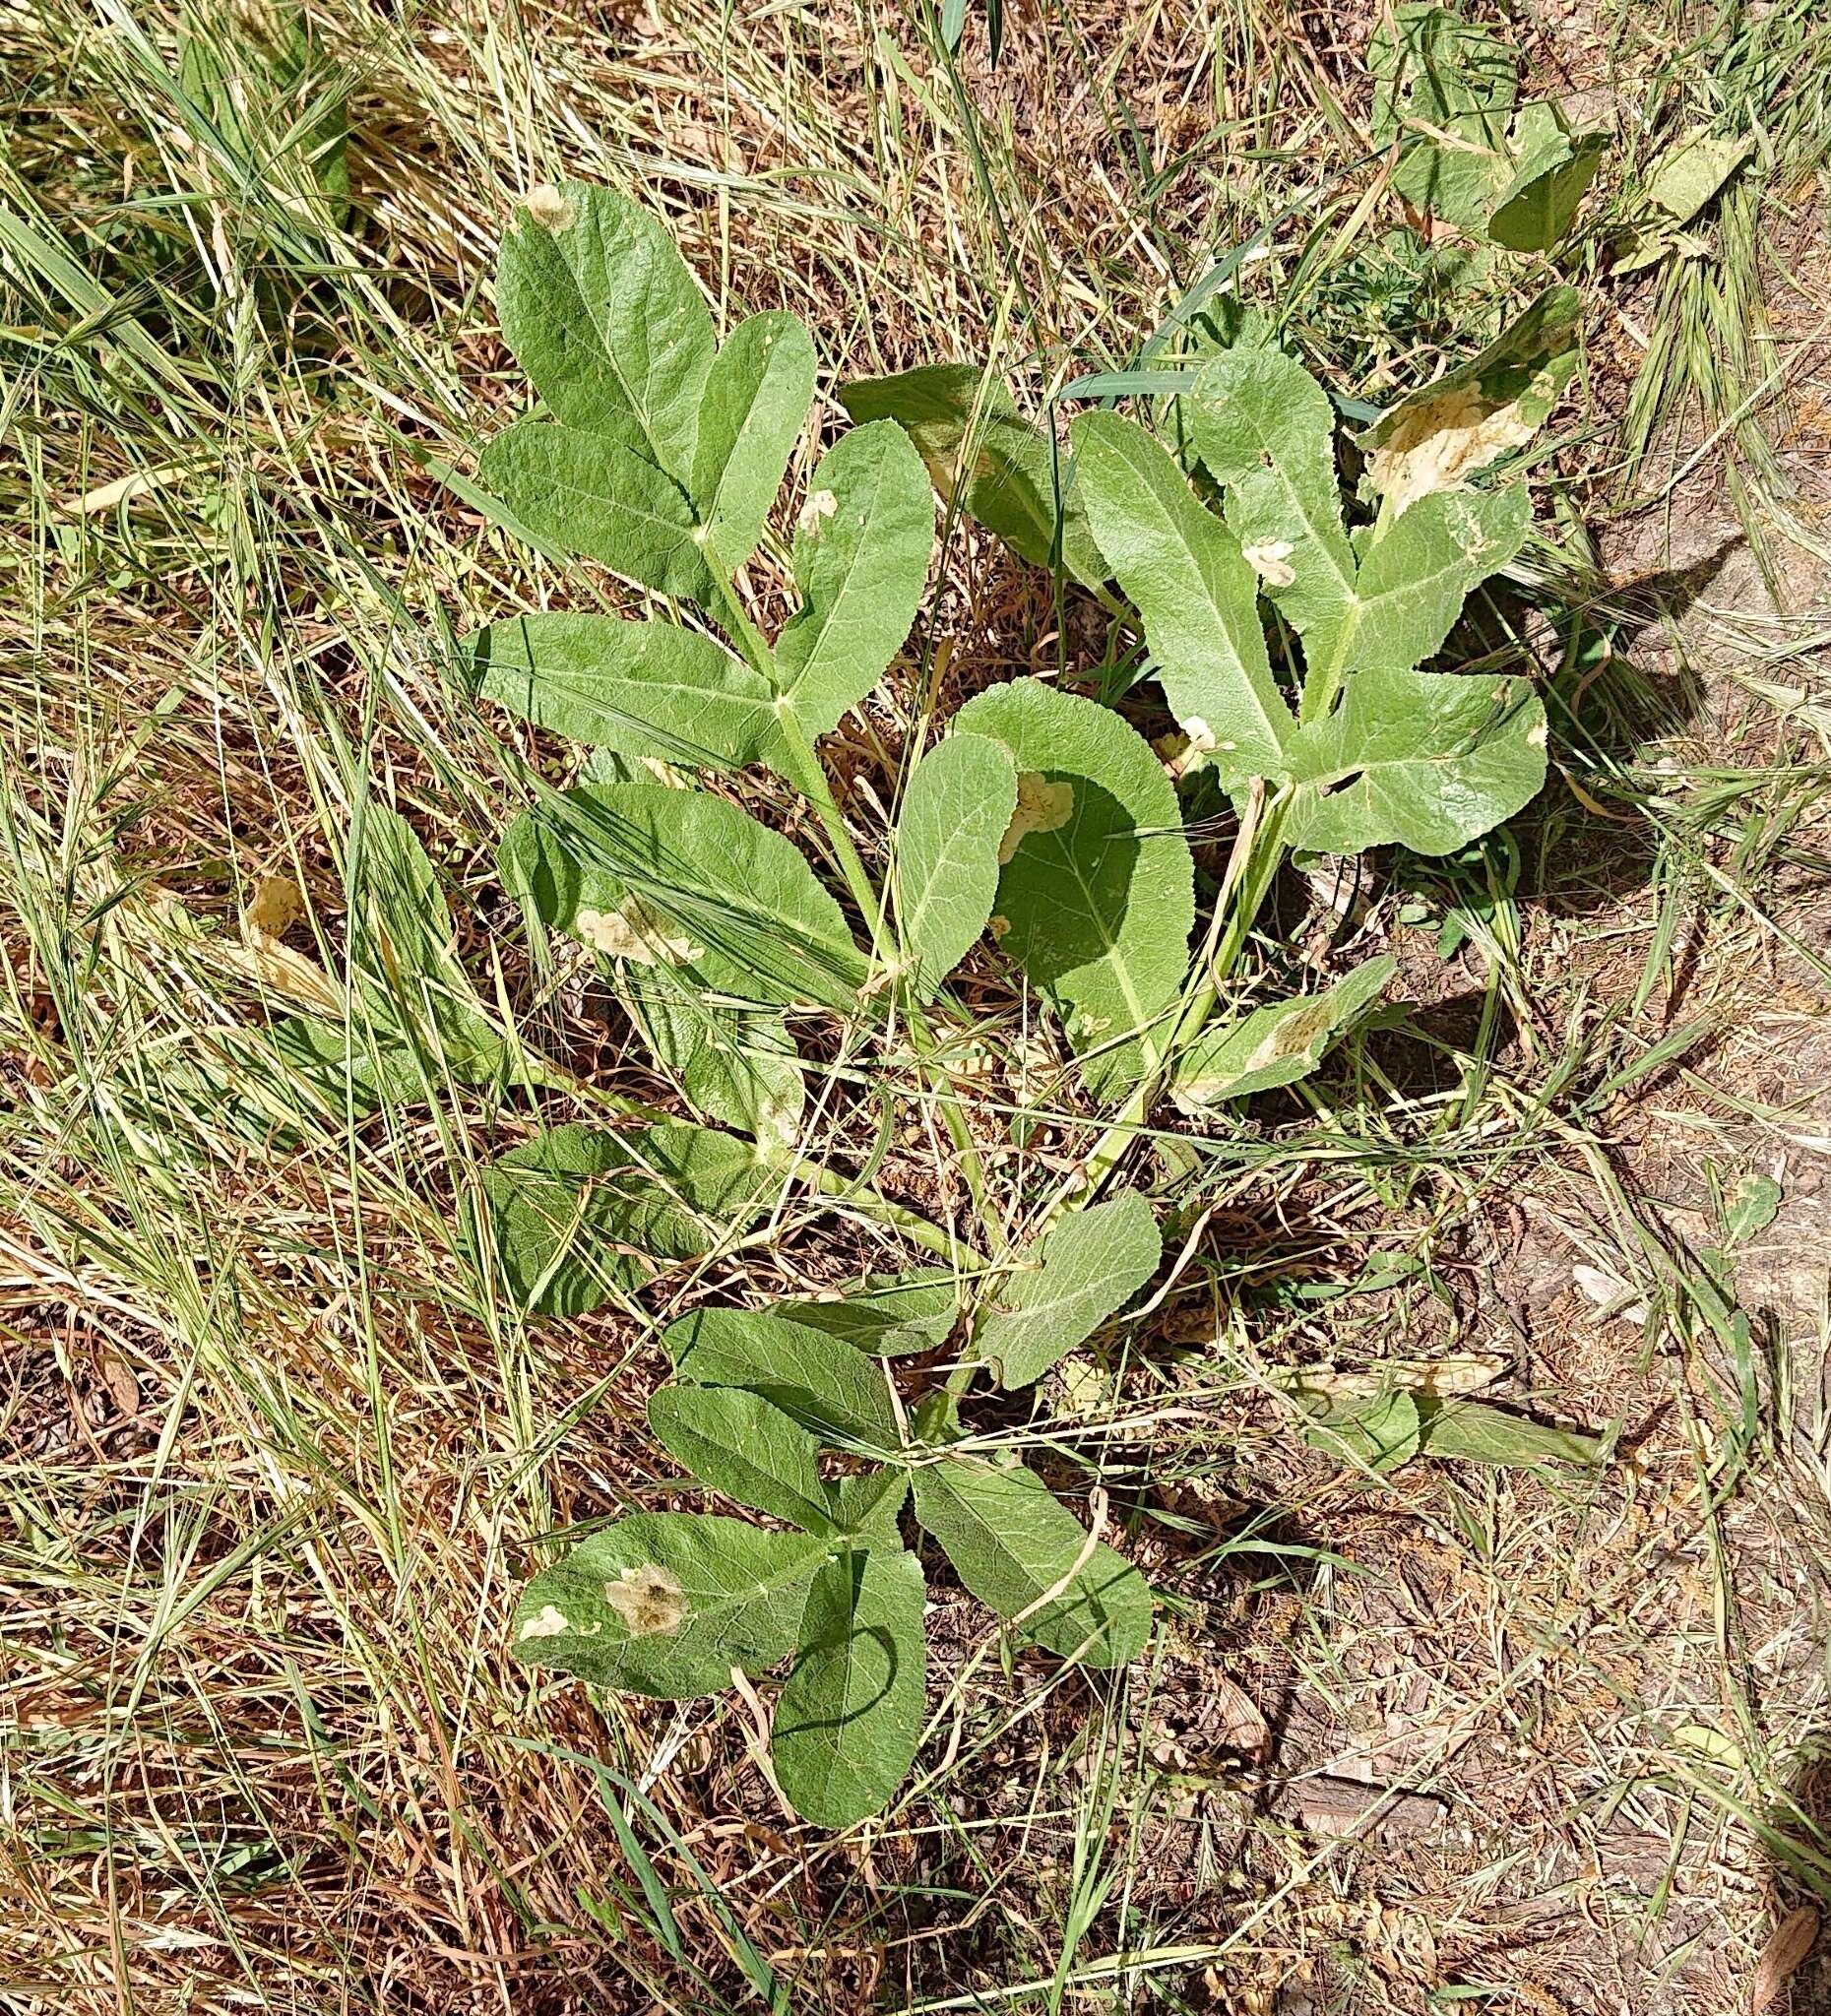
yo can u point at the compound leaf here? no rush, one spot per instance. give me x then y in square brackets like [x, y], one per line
[738, 1443]
[1197, 596]
[1097, 894]
[605, 317]
[642, 689]
[1265, 430]
[1429, 759]
[577, 1212]
[955, 811]
[982, 452]
[659, 877]
[1065, 1284]
[1275, 1045]
[822, 1383]
[862, 547]
[755, 405]
[1012, 1541]
[850, 1713]
[596, 493]
[1411, 587]
[665, 1604]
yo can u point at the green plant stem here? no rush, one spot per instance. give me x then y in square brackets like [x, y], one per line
[1265, 855]
[803, 766]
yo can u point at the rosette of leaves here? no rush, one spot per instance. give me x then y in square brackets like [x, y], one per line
[1471, 154]
[1356, 740]
[670, 1604]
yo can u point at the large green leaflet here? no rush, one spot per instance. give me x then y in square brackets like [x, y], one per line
[818, 1380]
[594, 493]
[667, 1603]
[887, 1316]
[578, 1214]
[1427, 760]
[1411, 587]
[655, 876]
[862, 547]
[955, 811]
[1065, 1284]
[1193, 588]
[606, 319]
[850, 1718]
[1275, 1045]
[757, 395]
[982, 453]
[642, 689]
[1265, 430]
[1013, 1541]
[739, 1444]
[1097, 898]
[1551, 169]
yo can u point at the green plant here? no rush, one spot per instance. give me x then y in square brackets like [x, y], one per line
[1043, 814]
[1471, 155]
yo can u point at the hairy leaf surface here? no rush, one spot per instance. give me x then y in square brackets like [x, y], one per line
[850, 1713]
[1265, 430]
[577, 1212]
[665, 1604]
[594, 493]
[862, 547]
[655, 876]
[756, 400]
[1194, 589]
[1275, 1045]
[955, 810]
[1065, 1284]
[820, 1381]
[1009, 483]
[1412, 586]
[737, 1065]
[1428, 760]
[738, 1443]
[605, 317]
[887, 1316]
[1097, 894]
[642, 689]
[1012, 1540]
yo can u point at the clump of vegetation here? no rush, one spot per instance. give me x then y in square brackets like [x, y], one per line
[1038, 814]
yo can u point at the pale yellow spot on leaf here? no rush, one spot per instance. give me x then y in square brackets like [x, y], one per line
[550, 1623]
[1440, 443]
[1270, 562]
[549, 207]
[821, 504]
[648, 1600]
[636, 933]
[1041, 807]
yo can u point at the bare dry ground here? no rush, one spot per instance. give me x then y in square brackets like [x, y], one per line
[1553, 1740]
